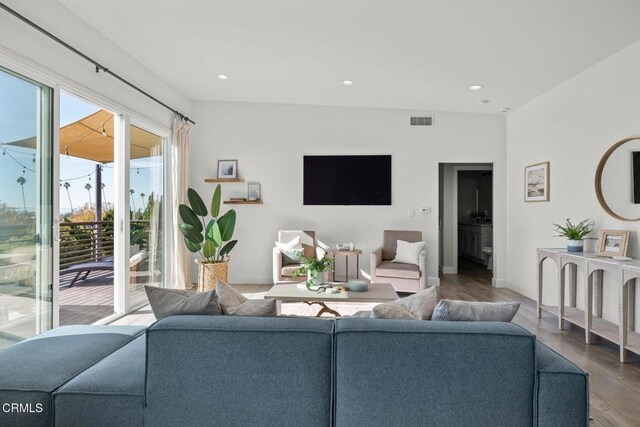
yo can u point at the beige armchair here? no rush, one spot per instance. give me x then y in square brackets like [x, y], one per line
[403, 277]
[312, 249]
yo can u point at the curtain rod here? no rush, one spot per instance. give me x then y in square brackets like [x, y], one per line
[99, 67]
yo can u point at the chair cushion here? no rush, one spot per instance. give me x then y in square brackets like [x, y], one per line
[390, 241]
[288, 270]
[117, 381]
[32, 370]
[307, 238]
[396, 269]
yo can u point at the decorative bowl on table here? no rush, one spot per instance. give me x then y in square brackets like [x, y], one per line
[358, 286]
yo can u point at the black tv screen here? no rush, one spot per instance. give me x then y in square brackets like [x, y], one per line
[347, 180]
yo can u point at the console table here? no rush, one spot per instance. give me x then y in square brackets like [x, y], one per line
[593, 267]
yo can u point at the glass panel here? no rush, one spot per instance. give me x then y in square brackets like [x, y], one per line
[25, 209]
[147, 191]
[86, 211]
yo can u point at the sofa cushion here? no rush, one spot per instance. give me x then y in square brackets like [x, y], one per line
[172, 302]
[390, 241]
[396, 269]
[407, 373]
[409, 252]
[235, 304]
[475, 311]
[418, 306]
[32, 370]
[239, 371]
[109, 393]
[288, 270]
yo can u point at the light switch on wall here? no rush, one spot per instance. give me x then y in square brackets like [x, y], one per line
[425, 210]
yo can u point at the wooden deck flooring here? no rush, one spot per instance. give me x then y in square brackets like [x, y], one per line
[91, 300]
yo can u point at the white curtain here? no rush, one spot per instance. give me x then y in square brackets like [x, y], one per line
[180, 259]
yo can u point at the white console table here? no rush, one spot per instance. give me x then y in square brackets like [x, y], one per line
[593, 267]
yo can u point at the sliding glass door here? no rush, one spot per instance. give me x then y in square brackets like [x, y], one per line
[26, 208]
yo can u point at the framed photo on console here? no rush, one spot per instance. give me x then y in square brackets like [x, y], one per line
[613, 243]
[536, 182]
[227, 169]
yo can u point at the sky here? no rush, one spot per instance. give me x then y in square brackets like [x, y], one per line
[18, 110]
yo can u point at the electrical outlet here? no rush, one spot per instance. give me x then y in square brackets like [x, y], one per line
[425, 210]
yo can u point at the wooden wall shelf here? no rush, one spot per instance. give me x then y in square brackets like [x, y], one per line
[242, 202]
[223, 180]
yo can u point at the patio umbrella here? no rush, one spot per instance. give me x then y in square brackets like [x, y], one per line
[91, 138]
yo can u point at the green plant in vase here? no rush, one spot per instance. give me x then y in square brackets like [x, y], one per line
[211, 239]
[576, 234]
[314, 269]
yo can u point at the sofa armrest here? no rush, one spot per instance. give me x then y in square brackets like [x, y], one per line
[423, 268]
[562, 392]
[376, 259]
[277, 265]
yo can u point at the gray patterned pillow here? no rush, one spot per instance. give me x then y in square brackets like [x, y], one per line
[172, 302]
[234, 303]
[473, 311]
[290, 257]
[414, 307]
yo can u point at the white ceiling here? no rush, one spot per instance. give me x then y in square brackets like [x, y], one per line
[414, 54]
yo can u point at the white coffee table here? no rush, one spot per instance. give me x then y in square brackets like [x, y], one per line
[378, 292]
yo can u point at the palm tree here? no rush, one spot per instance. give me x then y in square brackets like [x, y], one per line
[142, 196]
[88, 188]
[66, 186]
[133, 202]
[22, 181]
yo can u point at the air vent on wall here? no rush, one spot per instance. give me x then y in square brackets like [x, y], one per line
[422, 121]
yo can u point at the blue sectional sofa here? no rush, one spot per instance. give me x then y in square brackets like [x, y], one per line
[244, 371]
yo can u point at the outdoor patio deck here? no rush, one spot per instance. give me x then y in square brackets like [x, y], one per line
[92, 299]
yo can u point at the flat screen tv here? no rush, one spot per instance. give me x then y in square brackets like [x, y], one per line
[347, 180]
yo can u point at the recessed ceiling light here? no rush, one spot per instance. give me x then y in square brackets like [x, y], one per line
[222, 77]
[348, 82]
[475, 87]
[484, 101]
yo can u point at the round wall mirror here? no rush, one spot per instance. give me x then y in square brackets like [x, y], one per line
[618, 180]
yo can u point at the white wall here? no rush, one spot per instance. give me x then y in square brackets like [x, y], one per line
[18, 40]
[571, 126]
[269, 141]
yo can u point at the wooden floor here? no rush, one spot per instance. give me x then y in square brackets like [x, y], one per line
[614, 387]
[90, 300]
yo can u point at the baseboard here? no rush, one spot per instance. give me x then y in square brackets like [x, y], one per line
[499, 283]
[433, 281]
[449, 269]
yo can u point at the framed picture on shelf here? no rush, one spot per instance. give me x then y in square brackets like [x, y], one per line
[227, 169]
[253, 191]
[536, 182]
[613, 243]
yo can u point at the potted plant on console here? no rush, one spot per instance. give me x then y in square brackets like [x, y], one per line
[575, 233]
[212, 239]
[314, 269]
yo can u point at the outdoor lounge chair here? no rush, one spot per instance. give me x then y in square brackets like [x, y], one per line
[106, 265]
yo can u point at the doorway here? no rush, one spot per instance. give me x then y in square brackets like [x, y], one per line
[466, 220]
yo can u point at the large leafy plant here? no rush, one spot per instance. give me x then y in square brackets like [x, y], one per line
[573, 231]
[212, 239]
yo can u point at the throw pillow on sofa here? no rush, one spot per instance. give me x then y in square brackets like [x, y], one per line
[418, 306]
[473, 311]
[172, 302]
[234, 303]
[291, 251]
[409, 252]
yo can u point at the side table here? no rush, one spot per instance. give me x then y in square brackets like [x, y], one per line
[346, 254]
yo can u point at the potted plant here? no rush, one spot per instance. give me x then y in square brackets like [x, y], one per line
[212, 239]
[314, 269]
[575, 233]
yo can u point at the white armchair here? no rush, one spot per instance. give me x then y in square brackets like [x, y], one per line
[312, 248]
[403, 277]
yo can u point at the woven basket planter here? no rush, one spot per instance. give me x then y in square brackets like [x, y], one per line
[210, 273]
